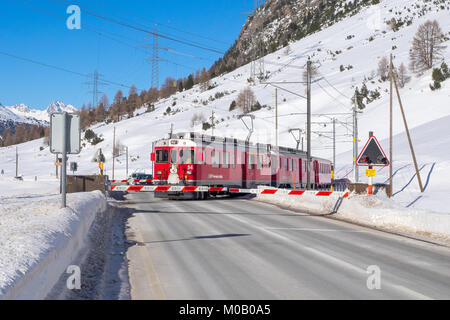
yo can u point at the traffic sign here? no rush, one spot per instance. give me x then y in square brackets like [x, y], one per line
[371, 173]
[372, 155]
[73, 140]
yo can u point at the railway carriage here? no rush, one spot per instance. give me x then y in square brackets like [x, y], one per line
[202, 160]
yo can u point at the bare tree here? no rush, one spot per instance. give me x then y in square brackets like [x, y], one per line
[427, 46]
[197, 118]
[314, 72]
[402, 76]
[383, 69]
[245, 100]
[204, 80]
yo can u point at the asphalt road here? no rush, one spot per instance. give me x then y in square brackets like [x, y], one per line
[245, 249]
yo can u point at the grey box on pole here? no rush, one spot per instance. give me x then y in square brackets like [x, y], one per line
[73, 144]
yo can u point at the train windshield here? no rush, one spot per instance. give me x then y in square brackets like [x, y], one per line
[162, 156]
[186, 156]
[173, 156]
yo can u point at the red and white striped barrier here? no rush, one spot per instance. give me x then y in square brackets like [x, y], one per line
[130, 181]
[166, 188]
[261, 191]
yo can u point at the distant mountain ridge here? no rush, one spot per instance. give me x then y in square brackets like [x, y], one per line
[12, 116]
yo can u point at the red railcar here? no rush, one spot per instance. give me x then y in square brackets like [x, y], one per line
[201, 160]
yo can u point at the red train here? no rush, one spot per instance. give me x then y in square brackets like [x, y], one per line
[201, 160]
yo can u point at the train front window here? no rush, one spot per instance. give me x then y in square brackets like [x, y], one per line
[173, 156]
[162, 156]
[186, 156]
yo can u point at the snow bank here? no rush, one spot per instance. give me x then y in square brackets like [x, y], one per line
[39, 240]
[374, 211]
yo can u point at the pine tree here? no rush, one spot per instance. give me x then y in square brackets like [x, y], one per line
[189, 82]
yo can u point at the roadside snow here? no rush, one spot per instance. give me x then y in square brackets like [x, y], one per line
[38, 239]
[377, 211]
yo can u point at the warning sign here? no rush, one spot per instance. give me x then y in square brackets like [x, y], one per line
[372, 155]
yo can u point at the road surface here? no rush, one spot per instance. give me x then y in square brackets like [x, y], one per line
[245, 249]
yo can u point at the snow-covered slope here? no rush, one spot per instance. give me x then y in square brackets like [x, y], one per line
[357, 43]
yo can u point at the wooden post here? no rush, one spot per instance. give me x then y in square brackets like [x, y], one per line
[407, 133]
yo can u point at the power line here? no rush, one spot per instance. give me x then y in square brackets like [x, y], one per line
[62, 69]
[338, 91]
[166, 26]
[118, 22]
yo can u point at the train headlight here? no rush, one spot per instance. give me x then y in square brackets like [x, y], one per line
[158, 172]
[189, 172]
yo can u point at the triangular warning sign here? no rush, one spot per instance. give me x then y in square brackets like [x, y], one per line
[372, 154]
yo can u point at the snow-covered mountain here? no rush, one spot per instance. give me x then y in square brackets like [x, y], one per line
[41, 115]
[12, 116]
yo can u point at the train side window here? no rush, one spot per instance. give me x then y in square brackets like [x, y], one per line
[233, 159]
[215, 155]
[286, 164]
[226, 159]
[251, 162]
[259, 161]
[295, 165]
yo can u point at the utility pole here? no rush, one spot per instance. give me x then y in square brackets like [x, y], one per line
[407, 134]
[212, 123]
[258, 45]
[334, 143]
[276, 117]
[155, 60]
[126, 148]
[171, 130]
[355, 142]
[17, 162]
[114, 152]
[390, 129]
[308, 125]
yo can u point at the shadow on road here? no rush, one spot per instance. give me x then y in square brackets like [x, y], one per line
[216, 236]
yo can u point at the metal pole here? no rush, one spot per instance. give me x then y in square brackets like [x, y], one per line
[355, 142]
[334, 144]
[308, 126]
[56, 161]
[390, 130]
[127, 161]
[17, 162]
[114, 154]
[64, 162]
[276, 117]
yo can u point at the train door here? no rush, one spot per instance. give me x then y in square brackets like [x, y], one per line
[300, 172]
[274, 167]
[251, 170]
[244, 170]
[316, 173]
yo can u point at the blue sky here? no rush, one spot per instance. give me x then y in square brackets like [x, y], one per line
[36, 29]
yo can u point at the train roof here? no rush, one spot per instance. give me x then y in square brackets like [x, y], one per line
[199, 137]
